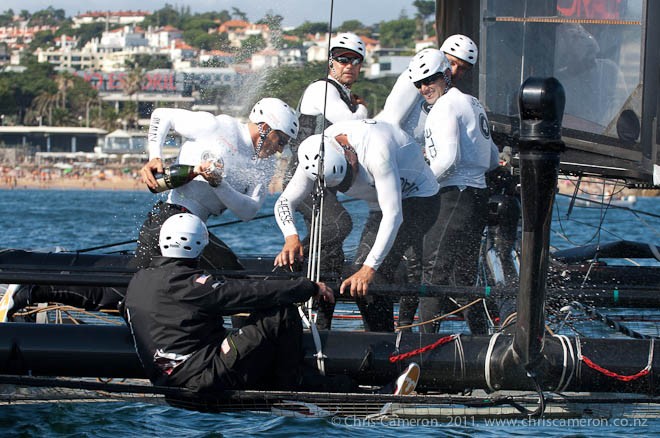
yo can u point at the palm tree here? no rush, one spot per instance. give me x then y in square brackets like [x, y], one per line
[64, 81]
[238, 14]
[425, 8]
[42, 106]
[132, 85]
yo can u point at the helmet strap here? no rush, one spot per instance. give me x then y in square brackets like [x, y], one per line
[263, 133]
[447, 81]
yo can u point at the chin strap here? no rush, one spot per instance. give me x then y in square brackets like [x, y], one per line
[263, 133]
[447, 82]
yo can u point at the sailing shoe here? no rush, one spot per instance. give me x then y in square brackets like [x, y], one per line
[407, 382]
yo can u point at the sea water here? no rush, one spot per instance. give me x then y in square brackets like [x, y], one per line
[80, 220]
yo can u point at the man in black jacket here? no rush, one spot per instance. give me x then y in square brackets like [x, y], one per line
[175, 312]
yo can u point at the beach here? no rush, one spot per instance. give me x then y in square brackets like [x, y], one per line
[120, 182]
[16, 178]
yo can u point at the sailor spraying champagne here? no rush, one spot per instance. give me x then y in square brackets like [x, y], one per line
[223, 164]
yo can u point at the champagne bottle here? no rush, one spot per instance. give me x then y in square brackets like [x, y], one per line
[174, 176]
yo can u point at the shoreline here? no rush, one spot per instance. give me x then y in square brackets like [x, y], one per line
[129, 183]
[109, 184]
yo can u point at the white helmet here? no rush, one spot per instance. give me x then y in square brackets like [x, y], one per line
[461, 47]
[334, 162]
[278, 115]
[184, 236]
[348, 41]
[426, 63]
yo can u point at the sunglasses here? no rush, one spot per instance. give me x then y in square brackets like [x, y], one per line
[282, 140]
[344, 60]
[427, 81]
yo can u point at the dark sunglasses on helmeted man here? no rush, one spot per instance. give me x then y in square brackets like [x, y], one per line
[344, 60]
[427, 81]
[282, 139]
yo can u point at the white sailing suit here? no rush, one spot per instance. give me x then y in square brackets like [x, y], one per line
[400, 188]
[406, 108]
[460, 150]
[316, 113]
[242, 190]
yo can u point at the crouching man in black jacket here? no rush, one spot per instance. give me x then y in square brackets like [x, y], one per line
[175, 310]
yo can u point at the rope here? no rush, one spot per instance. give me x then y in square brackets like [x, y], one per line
[489, 354]
[459, 350]
[398, 357]
[567, 348]
[439, 318]
[624, 378]
[67, 309]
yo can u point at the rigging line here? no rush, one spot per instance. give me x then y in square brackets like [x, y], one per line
[619, 207]
[316, 225]
[603, 212]
[222, 224]
[574, 197]
[563, 233]
[314, 259]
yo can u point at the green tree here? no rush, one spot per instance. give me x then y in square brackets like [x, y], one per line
[43, 39]
[165, 16]
[288, 83]
[425, 9]
[354, 26]
[201, 22]
[151, 62]
[310, 28]
[41, 109]
[195, 32]
[203, 40]
[374, 91]
[6, 17]
[82, 99]
[64, 82]
[29, 84]
[251, 45]
[274, 22]
[87, 32]
[48, 17]
[238, 14]
[398, 33]
[131, 87]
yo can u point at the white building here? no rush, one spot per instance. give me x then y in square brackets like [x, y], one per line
[110, 17]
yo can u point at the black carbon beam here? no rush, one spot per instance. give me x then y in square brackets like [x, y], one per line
[67, 350]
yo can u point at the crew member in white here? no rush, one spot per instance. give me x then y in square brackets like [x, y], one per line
[246, 151]
[460, 150]
[326, 101]
[378, 163]
[405, 106]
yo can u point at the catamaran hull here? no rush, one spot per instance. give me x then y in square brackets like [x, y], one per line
[454, 365]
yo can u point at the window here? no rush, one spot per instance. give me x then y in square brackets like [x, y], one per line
[592, 47]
